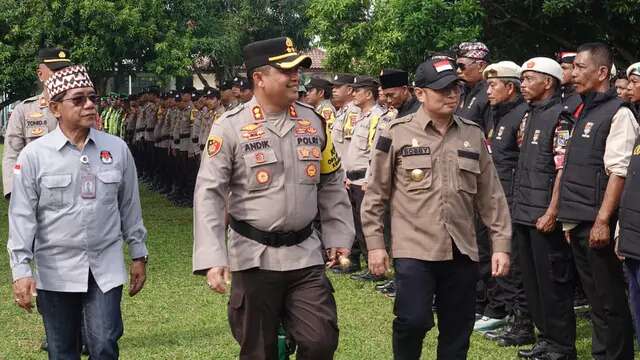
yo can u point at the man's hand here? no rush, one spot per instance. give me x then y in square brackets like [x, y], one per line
[546, 223]
[378, 262]
[23, 291]
[138, 275]
[499, 264]
[218, 278]
[364, 186]
[334, 255]
[600, 234]
[347, 183]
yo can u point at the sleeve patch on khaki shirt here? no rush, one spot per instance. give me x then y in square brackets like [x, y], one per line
[383, 144]
[469, 155]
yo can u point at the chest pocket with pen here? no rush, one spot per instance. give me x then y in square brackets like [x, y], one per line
[468, 171]
[56, 191]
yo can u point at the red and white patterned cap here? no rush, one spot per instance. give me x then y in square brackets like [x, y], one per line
[473, 50]
[72, 77]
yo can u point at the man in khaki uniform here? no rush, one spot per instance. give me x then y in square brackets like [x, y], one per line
[347, 113]
[319, 96]
[356, 159]
[274, 162]
[214, 110]
[434, 169]
[31, 119]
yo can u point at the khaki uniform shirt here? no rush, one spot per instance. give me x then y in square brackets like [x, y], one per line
[276, 181]
[342, 130]
[157, 129]
[141, 125]
[359, 151]
[29, 121]
[164, 140]
[196, 128]
[434, 185]
[328, 112]
[150, 115]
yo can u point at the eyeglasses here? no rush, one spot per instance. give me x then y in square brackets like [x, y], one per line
[462, 66]
[80, 100]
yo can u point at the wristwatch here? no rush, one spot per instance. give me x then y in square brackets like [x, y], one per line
[144, 259]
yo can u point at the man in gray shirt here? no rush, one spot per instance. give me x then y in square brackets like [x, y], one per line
[74, 201]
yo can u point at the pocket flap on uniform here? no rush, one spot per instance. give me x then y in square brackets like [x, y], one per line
[109, 177]
[56, 181]
[416, 162]
[262, 157]
[469, 164]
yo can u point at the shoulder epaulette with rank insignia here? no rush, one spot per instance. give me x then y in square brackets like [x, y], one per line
[31, 99]
[468, 122]
[235, 110]
[401, 120]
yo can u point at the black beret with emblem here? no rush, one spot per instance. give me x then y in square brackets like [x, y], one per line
[319, 83]
[54, 58]
[343, 79]
[242, 83]
[390, 78]
[187, 90]
[210, 92]
[365, 82]
[279, 53]
[226, 85]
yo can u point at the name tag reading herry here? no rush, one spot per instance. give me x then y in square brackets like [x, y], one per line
[416, 150]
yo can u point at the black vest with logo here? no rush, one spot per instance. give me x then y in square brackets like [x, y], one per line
[505, 122]
[584, 179]
[629, 212]
[536, 170]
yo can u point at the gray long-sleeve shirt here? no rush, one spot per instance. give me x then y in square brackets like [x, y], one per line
[63, 234]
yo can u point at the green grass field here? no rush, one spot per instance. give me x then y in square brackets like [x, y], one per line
[177, 317]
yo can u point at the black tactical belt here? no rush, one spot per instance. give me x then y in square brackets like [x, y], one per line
[273, 239]
[185, 136]
[356, 174]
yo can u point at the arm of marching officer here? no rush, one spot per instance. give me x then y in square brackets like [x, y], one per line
[22, 217]
[378, 190]
[491, 203]
[133, 231]
[14, 142]
[210, 197]
[334, 207]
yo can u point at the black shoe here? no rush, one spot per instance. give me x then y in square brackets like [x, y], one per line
[494, 335]
[353, 268]
[389, 289]
[554, 356]
[521, 332]
[367, 276]
[538, 349]
[383, 285]
[45, 345]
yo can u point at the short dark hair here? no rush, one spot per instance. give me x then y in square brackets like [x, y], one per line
[600, 52]
[263, 68]
[516, 83]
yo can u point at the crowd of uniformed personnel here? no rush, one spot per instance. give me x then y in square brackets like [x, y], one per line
[471, 169]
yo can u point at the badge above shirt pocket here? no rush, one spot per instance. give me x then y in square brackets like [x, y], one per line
[468, 170]
[260, 168]
[56, 191]
[417, 171]
[308, 164]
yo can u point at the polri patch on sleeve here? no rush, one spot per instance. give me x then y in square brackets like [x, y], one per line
[383, 144]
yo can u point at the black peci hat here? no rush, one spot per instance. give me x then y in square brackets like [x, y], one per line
[390, 78]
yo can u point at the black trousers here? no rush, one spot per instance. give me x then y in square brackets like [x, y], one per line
[508, 296]
[453, 285]
[603, 282]
[356, 195]
[301, 299]
[548, 279]
[486, 286]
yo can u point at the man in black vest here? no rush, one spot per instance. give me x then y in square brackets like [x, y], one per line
[570, 98]
[593, 180]
[545, 257]
[629, 225]
[506, 112]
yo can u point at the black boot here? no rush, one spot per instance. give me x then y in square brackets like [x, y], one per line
[494, 335]
[540, 347]
[521, 333]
